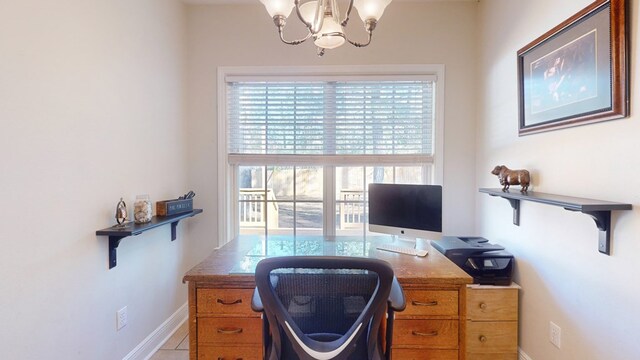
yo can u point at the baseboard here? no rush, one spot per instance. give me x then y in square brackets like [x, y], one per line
[522, 355]
[159, 336]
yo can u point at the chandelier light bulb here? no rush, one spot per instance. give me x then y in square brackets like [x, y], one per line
[370, 9]
[331, 35]
[278, 7]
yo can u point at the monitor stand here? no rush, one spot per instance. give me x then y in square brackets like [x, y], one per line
[404, 241]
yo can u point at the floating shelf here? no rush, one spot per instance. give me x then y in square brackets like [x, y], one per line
[599, 210]
[119, 232]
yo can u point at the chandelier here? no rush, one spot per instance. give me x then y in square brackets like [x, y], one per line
[323, 20]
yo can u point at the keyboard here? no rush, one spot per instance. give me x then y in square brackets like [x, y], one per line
[402, 250]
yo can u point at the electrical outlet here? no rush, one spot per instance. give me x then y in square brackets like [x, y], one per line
[121, 318]
[554, 334]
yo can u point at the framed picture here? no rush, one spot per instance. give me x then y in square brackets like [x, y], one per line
[577, 72]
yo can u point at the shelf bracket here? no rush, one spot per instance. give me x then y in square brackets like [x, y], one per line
[603, 222]
[174, 226]
[515, 205]
[114, 241]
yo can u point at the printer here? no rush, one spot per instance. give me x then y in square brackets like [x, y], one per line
[488, 264]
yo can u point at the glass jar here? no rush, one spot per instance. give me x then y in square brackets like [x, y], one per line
[142, 209]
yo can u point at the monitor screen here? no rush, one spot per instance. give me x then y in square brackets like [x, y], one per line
[413, 211]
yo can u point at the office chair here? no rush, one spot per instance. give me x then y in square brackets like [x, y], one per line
[326, 307]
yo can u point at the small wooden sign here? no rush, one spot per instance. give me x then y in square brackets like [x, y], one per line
[172, 207]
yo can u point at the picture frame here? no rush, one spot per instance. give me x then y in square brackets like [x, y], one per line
[577, 72]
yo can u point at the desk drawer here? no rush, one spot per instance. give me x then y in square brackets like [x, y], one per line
[430, 303]
[422, 354]
[495, 356]
[435, 334]
[229, 353]
[223, 302]
[492, 304]
[492, 337]
[230, 331]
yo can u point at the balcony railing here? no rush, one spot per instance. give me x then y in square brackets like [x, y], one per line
[351, 209]
[253, 209]
[255, 212]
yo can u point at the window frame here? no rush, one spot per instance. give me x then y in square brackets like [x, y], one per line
[228, 226]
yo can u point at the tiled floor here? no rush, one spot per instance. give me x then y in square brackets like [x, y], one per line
[177, 347]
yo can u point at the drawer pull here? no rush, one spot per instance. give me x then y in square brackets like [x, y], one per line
[220, 301]
[482, 338]
[221, 358]
[230, 331]
[418, 333]
[483, 305]
[420, 303]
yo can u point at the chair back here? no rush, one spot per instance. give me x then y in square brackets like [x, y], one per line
[323, 307]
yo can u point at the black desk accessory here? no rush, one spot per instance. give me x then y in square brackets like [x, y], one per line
[487, 263]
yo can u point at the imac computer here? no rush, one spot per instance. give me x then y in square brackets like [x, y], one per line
[407, 211]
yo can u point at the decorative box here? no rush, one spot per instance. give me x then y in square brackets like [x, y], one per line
[173, 207]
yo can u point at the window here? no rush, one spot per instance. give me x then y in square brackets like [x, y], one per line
[298, 146]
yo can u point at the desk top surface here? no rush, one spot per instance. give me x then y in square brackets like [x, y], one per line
[235, 261]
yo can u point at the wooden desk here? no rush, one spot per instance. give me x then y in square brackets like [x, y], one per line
[222, 325]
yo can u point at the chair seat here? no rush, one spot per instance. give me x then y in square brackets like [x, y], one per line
[325, 337]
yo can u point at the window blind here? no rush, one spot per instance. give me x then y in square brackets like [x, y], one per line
[330, 118]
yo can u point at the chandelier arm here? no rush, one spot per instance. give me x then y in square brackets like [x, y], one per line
[347, 14]
[318, 18]
[369, 26]
[293, 42]
[357, 44]
[280, 21]
[297, 6]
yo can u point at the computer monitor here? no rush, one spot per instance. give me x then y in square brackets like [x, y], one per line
[408, 211]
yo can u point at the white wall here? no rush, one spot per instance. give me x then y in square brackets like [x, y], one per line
[408, 33]
[91, 110]
[593, 297]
